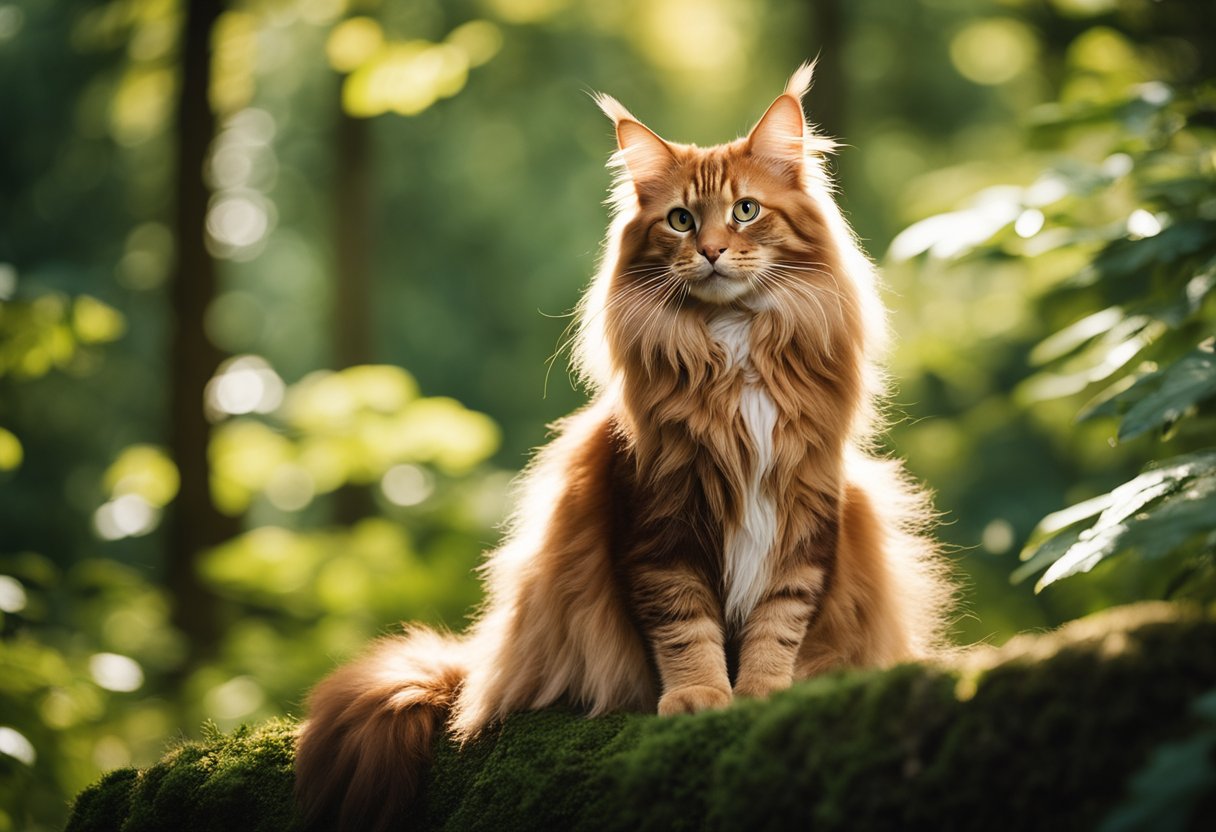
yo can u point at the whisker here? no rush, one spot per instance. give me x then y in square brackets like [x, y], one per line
[576, 328]
[657, 312]
[784, 272]
[789, 291]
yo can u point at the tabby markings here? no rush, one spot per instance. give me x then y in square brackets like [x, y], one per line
[750, 543]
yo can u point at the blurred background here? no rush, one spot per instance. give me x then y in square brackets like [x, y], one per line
[283, 287]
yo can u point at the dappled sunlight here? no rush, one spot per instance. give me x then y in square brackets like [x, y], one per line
[405, 77]
[51, 331]
[949, 235]
[330, 429]
[213, 489]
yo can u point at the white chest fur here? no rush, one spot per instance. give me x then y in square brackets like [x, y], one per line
[749, 544]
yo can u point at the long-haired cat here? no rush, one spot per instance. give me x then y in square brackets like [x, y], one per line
[713, 524]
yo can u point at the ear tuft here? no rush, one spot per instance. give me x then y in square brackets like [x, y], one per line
[800, 82]
[612, 108]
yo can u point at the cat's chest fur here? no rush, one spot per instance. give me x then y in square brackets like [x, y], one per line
[748, 545]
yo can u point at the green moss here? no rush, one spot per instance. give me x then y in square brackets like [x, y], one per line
[238, 782]
[1042, 734]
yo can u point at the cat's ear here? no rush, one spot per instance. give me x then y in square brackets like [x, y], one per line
[643, 153]
[780, 133]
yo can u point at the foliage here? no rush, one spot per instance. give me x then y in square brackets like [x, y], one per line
[1097, 271]
[1032, 736]
[1151, 358]
[1129, 245]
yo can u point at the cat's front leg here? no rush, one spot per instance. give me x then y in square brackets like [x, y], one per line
[681, 617]
[776, 626]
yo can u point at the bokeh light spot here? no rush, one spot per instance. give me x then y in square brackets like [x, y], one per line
[1029, 223]
[8, 280]
[406, 485]
[14, 744]
[238, 697]
[290, 488]
[11, 21]
[12, 594]
[117, 673]
[11, 452]
[1142, 224]
[997, 537]
[95, 322]
[479, 40]
[993, 51]
[129, 515]
[683, 35]
[238, 221]
[246, 384]
[146, 471]
[353, 42]
[111, 752]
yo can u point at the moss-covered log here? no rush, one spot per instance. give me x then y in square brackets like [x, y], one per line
[1044, 733]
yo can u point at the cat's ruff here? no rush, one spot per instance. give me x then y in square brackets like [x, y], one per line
[749, 544]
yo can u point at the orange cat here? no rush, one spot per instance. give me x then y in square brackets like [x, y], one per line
[713, 523]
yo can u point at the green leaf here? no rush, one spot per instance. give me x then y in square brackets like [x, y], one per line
[1055, 535]
[1040, 557]
[1068, 339]
[1105, 357]
[1155, 513]
[1111, 400]
[1174, 389]
[1127, 257]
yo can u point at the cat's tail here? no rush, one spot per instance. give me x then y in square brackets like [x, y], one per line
[361, 754]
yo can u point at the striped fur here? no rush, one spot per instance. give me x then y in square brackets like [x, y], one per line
[713, 524]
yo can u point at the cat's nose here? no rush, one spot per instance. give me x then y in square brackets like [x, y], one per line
[713, 251]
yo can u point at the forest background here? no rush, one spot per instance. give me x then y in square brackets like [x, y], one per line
[283, 288]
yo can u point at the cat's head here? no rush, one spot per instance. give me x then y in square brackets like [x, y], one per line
[737, 222]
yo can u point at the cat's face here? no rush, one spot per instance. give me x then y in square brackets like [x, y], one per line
[725, 225]
[731, 224]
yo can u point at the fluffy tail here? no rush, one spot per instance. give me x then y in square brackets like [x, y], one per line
[361, 754]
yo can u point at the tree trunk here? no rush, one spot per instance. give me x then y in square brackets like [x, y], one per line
[195, 523]
[827, 100]
[352, 285]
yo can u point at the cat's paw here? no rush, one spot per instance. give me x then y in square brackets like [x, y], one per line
[693, 699]
[758, 687]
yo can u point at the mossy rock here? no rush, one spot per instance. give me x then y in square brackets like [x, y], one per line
[1044, 733]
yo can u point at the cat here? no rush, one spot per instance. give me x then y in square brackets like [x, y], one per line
[714, 524]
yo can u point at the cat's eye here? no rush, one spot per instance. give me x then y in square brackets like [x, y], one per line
[680, 219]
[745, 210]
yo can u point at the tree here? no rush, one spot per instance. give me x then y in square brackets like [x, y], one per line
[196, 524]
